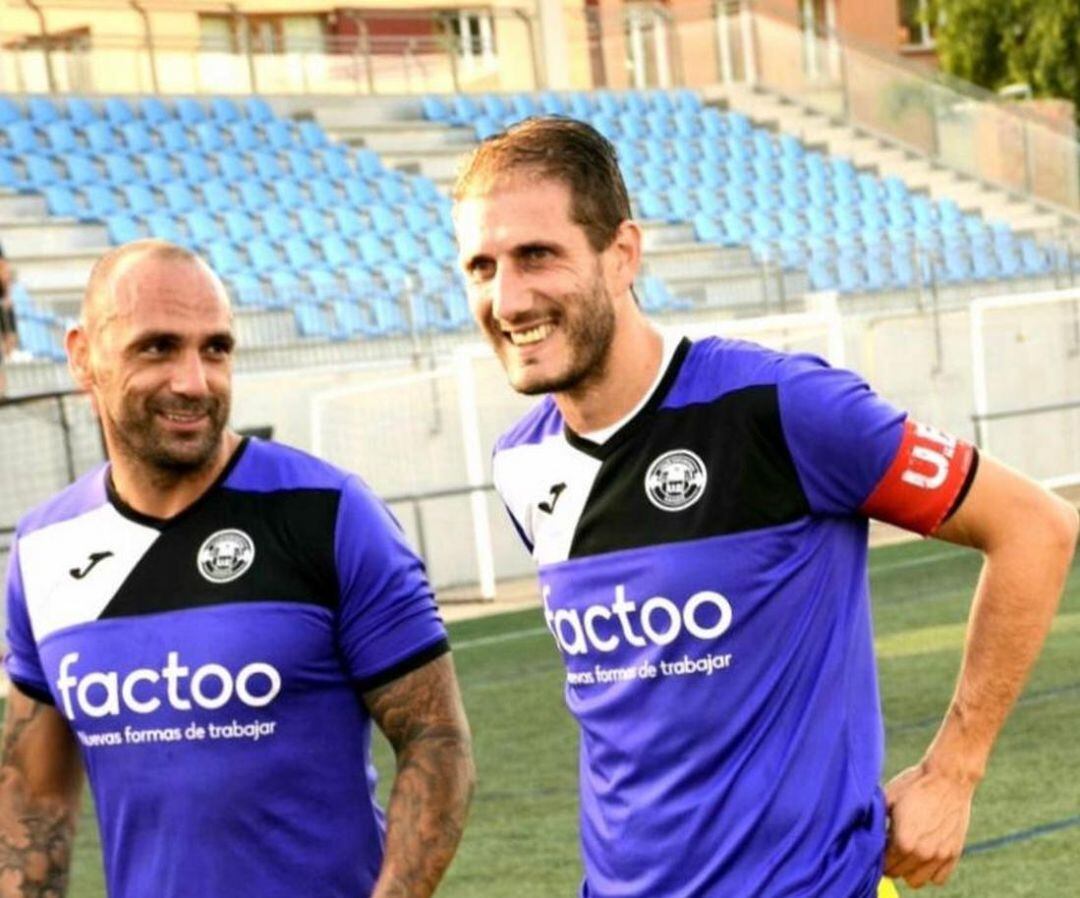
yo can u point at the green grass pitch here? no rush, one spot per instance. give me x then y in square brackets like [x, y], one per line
[522, 837]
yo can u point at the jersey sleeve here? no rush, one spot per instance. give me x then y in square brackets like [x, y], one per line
[21, 660]
[388, 622]
[857, 454]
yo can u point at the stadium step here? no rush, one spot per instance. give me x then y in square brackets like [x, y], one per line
[47, 271]
[406, 137]
[33, 237]
[438, 164]
[21, 206]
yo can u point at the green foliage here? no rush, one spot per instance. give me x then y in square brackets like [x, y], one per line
[1034, 42]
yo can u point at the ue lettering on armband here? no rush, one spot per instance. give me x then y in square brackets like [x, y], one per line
[927, 479]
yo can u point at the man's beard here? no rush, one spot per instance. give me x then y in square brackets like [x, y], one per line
[140, 436]
[587, 323]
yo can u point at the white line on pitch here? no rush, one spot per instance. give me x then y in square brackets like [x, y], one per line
[497, 638]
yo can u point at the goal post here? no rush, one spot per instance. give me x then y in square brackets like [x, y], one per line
[1025, 364]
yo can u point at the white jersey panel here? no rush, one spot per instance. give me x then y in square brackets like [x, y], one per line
[546, 485]
[71, 570]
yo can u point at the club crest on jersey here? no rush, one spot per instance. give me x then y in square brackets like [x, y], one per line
[675, 480]
[225, 555]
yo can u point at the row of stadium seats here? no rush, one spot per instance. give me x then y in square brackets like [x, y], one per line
[43, 111]
[741, 186]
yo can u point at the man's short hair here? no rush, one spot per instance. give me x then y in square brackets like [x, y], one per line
[562, 149]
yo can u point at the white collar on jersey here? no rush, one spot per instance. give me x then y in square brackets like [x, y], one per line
[601, 436]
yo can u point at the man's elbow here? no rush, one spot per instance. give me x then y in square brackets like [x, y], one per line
[1063, 527]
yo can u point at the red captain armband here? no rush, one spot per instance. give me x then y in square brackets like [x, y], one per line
[926, 481]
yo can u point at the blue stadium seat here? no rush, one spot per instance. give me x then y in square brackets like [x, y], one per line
[41, 111]
[165, 227]
[11, 177]
[258, 110]
[80, 112]
[551, 103]
[118, 111]
[224, 258]
[312, 136]
[242, 135]
[239, 226]
[232, 167]
[301, 164]
[120, 169]
[264, 257]
[123, 229]
[203, 227]
[524, 105]
[139, 199]
[179, 198]
[41, 171]
[135, 135]
[61, 138]
[418, 219]
[348, 223]
[100, 201]
[154, 111]
[253, 195]
[436, 110]
[217, 195]
[324, 192]
[336, 163]
[279, 135]
[384, 220]
[336, 250]
[277, 224]
[372, 250]
[441, 246]
[289, 194]
[352, 318]
[82, 172]
[209, 137]
[485, 127]
[312, 222]
[62, 202]
[174, 137]
[20, 137]
[224, 111]
[247, 289]
[9, 111]
[267, 167]
[190, 112]
[158, 168]
[194, 167]
[368, 163]
[300, 254]
[311, 321]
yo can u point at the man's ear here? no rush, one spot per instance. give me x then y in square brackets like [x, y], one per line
[625, 253]
[77, 345]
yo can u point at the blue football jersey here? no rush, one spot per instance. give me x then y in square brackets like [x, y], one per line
[210, 667]
[703, 573]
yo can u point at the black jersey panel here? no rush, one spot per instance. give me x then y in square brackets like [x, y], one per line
[750, 479]
[291, 536]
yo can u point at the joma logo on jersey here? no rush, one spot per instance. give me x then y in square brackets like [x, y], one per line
[105, 693]
[929, 466]
[659, 621]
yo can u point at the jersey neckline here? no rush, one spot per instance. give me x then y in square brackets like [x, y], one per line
[147, 520]
[626, 432]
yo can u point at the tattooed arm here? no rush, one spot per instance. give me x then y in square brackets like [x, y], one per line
[40, 786]
[422, 716]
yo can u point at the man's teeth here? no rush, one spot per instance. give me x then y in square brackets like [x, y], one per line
[533, 335]
[190, 416]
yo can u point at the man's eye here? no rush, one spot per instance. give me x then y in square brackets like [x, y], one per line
[481, 271]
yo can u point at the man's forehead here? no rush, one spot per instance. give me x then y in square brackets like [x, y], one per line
[513, 208]
[148, 286]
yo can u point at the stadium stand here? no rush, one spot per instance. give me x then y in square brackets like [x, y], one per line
[740, 186]
[296, 221]
[261, 196]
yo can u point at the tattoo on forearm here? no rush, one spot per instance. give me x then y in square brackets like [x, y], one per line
[421, 716]
[35, 834]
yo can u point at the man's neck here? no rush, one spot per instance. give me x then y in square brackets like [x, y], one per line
[164, 494]
[632, 366]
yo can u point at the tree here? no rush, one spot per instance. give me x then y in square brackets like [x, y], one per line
[1035, 42]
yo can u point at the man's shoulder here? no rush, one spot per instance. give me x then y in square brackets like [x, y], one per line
[268, 466]
[83, 496]
[542, 421]
[716, 366]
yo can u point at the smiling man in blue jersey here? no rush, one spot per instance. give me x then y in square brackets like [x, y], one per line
[698, 512]
[208, 625]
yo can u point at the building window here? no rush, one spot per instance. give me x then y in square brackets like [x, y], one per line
[916, 28]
